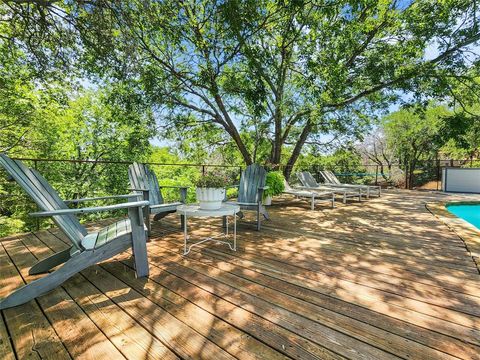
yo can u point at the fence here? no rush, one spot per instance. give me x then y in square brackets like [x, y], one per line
[426, 174]
[88, 178]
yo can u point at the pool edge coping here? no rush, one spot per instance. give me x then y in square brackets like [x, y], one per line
[466, 231]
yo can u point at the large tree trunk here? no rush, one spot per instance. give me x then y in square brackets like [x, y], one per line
[232, 130]
[277, 144]
[287, 171]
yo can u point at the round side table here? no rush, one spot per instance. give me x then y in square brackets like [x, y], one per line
[224, 212]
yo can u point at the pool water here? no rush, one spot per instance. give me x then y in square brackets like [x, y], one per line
[467, 212]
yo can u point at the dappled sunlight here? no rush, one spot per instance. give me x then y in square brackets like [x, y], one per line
[363, 280]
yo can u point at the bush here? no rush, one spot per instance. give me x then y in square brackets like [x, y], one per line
[212, 180]
[275, 183]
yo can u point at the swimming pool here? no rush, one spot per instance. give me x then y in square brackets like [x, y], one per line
[467, 212]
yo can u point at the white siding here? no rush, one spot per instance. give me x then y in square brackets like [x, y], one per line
[461, 180]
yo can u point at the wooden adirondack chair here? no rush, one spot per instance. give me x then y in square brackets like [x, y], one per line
[87, 248]
[250, 192]
[144, 180]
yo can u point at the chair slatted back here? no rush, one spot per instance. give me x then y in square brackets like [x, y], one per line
[307, 179]
[332, 178]
[45, 197]
[253, 177]
[326, 177]
[141, 177]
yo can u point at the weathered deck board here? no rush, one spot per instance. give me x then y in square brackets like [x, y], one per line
[31, 333]
[66, 317]
[374, 280]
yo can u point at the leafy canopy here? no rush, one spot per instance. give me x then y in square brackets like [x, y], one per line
[284, 72]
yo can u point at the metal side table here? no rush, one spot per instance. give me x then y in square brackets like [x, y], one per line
[224, 212]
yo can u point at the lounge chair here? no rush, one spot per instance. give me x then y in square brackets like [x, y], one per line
[309, 183]
[332, 180]
[250, 192]
[144, 180]
[86, 248]
[314, 196]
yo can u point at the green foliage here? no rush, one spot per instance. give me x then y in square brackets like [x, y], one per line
[66, 124]
[275, 182]
[261, 78]
[232, 192]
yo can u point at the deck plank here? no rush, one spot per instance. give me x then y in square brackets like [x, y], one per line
[66, 317]
[132, 340]
[282, 340]
[332, 317]
[31, 333]
[6, 348]
[302, 291]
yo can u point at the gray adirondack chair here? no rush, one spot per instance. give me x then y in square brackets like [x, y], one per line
[86, 248]
[309, 183]
[144, 180]
[250, 192]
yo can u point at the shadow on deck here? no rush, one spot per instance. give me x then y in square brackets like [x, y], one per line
[378, 279]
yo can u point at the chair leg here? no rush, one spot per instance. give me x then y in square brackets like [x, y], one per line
[50, 262]
[139, 242]
[258, 219]
[264, 212]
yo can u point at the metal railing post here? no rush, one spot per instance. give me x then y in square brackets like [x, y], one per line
[37, 220]
[438, 172]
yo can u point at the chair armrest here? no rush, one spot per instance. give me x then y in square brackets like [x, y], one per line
[127, 205]
[126, 196]
[137, 189]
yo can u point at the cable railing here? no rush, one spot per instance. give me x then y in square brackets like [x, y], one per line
[80, 178]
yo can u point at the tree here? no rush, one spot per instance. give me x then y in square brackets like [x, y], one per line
[374, 148]
[413, 134]
[290, 68]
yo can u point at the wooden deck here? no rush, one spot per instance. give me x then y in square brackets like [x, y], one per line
[380, 279]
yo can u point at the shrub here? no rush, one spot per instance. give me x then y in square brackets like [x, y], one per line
[212, 180]
[275, 183]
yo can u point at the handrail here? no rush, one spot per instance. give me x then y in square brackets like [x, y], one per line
[124, 162]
